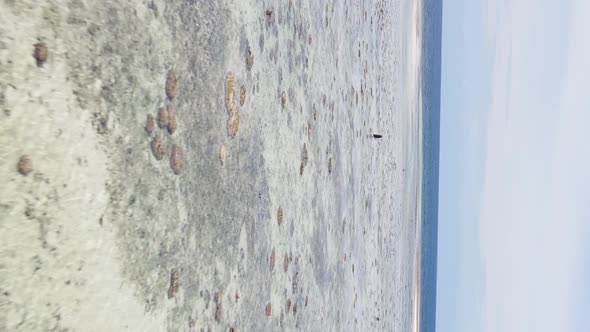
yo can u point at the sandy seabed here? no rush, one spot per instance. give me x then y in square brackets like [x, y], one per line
[285, 213]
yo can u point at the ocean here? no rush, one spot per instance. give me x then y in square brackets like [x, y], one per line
[430, 85]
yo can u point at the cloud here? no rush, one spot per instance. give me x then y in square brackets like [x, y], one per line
[533, 211]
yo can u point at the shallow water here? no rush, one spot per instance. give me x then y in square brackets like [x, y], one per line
[92, 238]
[430, 86]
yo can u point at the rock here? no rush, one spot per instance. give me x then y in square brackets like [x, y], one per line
[172, 124]
[174, 283]
[177, 159]
[163, 117]
[171, 84]
[249, 59]
[40, 53]
[280, 216]
[283, 99]
[233, 121]
[295, 282]
[242, 95]
[158, 148]
[150, 124]
[229, 90]
[304, 155]
[25, 165]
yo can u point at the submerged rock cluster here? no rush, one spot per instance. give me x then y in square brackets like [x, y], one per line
[166, 120]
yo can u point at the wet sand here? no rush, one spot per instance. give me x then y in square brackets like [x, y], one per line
[101, 235]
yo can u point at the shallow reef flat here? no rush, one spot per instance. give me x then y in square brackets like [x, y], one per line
[206, 166]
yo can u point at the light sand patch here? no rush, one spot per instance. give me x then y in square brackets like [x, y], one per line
[59, 266]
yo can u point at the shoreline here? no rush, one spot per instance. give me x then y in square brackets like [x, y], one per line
[418, 242]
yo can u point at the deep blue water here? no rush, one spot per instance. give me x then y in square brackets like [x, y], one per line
[430, 80]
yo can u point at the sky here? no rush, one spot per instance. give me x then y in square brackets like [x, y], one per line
[514, 206]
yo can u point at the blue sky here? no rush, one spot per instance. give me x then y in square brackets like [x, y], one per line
[514, 206]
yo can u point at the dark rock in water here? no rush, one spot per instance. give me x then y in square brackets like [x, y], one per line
[249, 58]
[177, 159]
[286, 263]
[163, 117]
[222, 154]
[25, 165]
[229, 90]
[218, 307]
[158, 148]
[171, 84]
[272, 260]
[174, 283]
[242, 95]
[172, 124]
[40, 53]
[295, 282]
[150, 124]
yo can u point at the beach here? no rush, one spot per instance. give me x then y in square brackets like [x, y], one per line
[269, 204]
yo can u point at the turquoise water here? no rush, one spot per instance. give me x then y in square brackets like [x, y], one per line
[430, 85]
